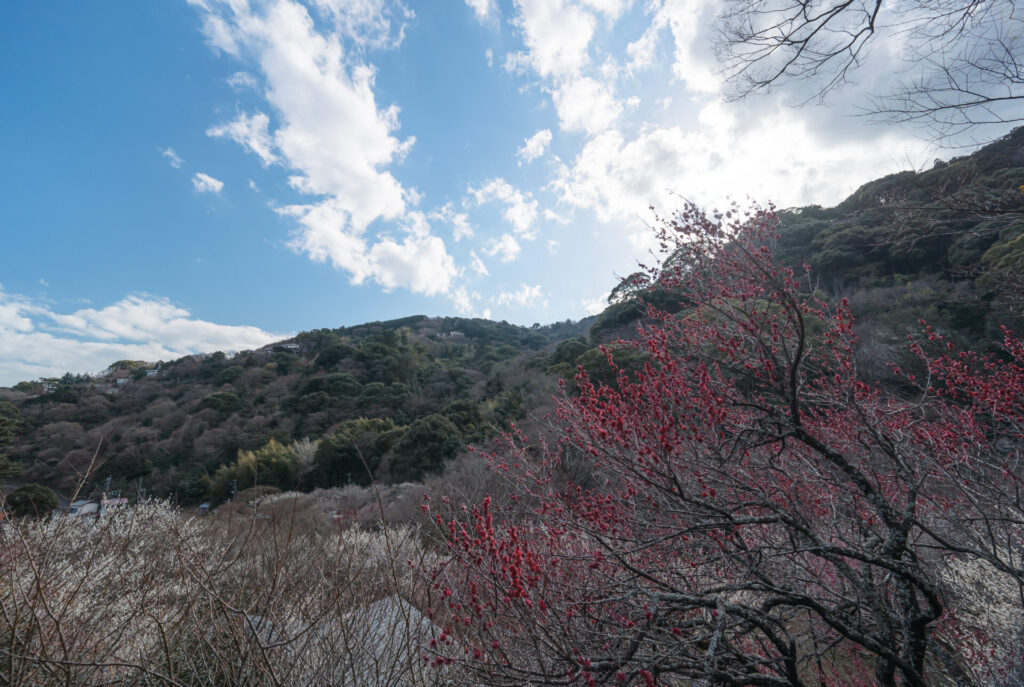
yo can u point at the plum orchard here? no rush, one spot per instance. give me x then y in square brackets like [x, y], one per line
[751, 511]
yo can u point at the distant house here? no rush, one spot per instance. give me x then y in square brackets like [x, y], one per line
[204, 507]
[123, 380]
[152, 373]
[84, 508]
[290, 347]
[90, 508]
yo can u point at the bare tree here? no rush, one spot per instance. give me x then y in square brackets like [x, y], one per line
[968, 54]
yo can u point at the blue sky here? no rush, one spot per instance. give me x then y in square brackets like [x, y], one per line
[186, 176]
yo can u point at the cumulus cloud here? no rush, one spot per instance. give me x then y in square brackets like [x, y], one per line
[534, 146]
[462, 299]
[692, 60]
[483, 9]
[585, 104]
[38, 341]
[775, 157]
[172, 157]
[204, 183]
[506, 248]
[477, 264]
[370, 23]
[331, 135]
[557, 34]
[520, 208]
[524, 296]
[595, 306]
[251, 132]
[459, 221]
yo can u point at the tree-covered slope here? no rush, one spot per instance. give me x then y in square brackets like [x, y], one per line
[398, 399]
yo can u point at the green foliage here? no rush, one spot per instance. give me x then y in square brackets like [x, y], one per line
[222, 402]
[312, 403]
[7, 468]
[272, 464]
[128, 365]
[469, 420]
[595, 362]
[32, 500]
[228, 375]
[568, 351]
[425, 447]
[194, 487]
[615, 317]
[353, 454]
[339, 386]
[333, 356]
[10, 422]
[285, 361]
[29, 387]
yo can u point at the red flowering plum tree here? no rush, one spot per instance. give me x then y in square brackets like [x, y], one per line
[752, 511]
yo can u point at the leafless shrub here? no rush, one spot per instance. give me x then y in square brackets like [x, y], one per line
[263, 594]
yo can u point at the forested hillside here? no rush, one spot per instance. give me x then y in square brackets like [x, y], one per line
[398, 399]
[410, 393]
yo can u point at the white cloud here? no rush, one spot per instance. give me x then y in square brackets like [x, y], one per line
[524, 296]
[489, 54]
[595, 306]
[557, 34]
[553, 246]
[506, 247]
[331, 135]
[520, 208]
[204, 183]
[477, 264]
[773, 157]
[419, 262]
[242, 80]
[552, 216]
[371, 23]
[534, 146]
[251, 132]
[459, 221]
[693, 61]
[172, 157]
[483, 9]
[463, 300]
[585, 104]
[253, 186]
[37, 341]
[610, 8]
